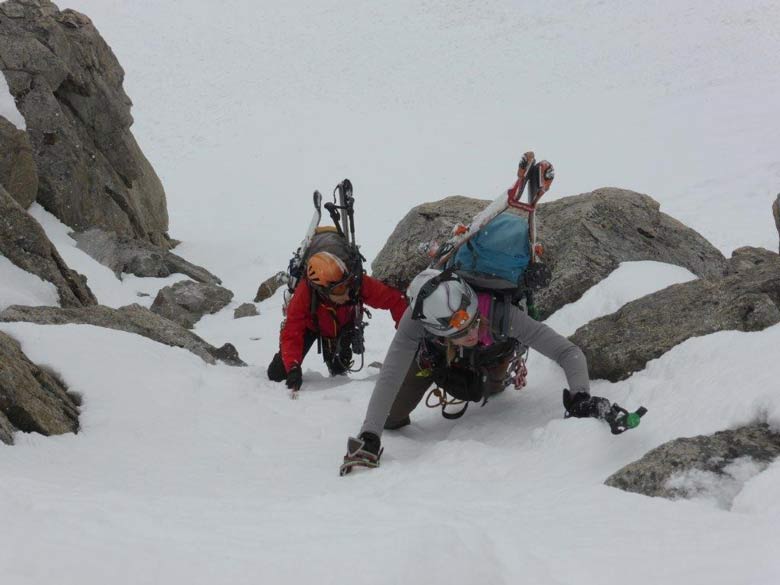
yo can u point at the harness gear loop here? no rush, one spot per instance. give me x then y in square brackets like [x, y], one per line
[517, 372]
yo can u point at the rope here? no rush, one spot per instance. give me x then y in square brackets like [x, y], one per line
[440, 394]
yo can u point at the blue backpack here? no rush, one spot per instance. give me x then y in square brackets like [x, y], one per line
[496, 258]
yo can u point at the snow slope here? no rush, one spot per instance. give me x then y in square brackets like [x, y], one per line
[20, 287]
[185, 472]
[197, 473]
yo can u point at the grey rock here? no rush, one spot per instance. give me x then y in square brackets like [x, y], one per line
[11, 10]
[67, 84]
[405, 252]
[269, 286]
[708, 454]
[747, 258]
[245, 310]
[177, 264]
[32, 399]
[186, 302]
[746, 298]
[228, 354]
[776, 214]
[127, 255]
[23, 242]
[7, 430]
[585, 237]
[132, 318]
[18, 173]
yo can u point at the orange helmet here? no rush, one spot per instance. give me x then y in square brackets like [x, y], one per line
[325, 270]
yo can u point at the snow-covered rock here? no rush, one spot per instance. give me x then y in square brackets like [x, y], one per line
[23, 242]
[187, 301]
[585, 238]
[245, 310]
[405, 252]
[132, 256]
[747, 298]
[706, 465]
[31, 398]
[133, 319]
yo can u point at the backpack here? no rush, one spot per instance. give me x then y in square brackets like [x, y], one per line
[338, 240]
[498, 260]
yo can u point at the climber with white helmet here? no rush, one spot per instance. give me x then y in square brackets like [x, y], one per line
[464, 343]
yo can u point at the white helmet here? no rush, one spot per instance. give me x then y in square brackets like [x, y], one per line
[443, 301]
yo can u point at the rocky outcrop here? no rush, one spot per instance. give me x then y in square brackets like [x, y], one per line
[776, 214]
[186, 302]
[18, 173]
[585, 238]
[67, 84]
[133, 319]
[245, 310]
[405, 252]
[269, 286]
[747, 259]
[31, 399]
[23, 242]
[126, 255]
[688, 467]
[6, 430]
[746, 298]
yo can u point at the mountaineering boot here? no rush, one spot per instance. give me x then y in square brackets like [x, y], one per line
[364, 451]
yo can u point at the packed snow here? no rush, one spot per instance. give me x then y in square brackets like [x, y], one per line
[185, 472]
[8, 108]
[18, 287]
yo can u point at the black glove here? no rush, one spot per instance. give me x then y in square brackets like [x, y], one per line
[583, 405]
[294, 378]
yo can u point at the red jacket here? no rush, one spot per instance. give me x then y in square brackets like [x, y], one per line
[331, 318]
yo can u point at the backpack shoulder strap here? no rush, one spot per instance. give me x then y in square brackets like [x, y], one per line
[500, 316]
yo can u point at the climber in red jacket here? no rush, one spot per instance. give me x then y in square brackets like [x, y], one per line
[328, 306]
